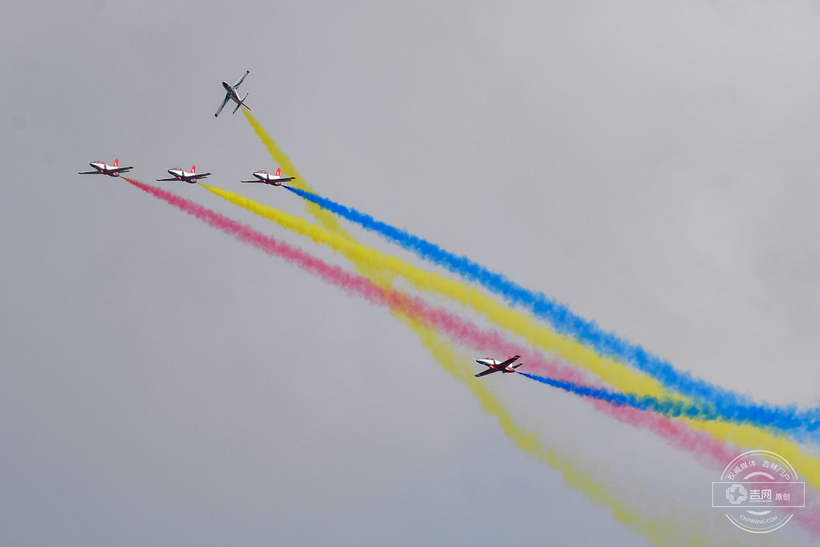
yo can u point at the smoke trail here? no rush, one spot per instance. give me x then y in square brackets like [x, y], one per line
[711, 452]
[659, 531]
[326, 219]
[462, 330]
[741, 435]
[727, 403]
[676, 433]
[654, 422]
[611, 372]
[667, 407]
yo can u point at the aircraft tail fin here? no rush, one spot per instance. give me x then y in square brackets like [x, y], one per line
[116, 162]
[241, 103]
[278, 172]
[193, 169]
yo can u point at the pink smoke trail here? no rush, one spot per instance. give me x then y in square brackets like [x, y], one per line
[706, 448]
[457, 328]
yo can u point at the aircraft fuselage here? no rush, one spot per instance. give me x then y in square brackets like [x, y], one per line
[180, 174]
[231, 90]
[191, 177]
[275, 179]
[104, 168]
[495, 365]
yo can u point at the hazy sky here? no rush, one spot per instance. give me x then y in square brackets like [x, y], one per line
[653, 166]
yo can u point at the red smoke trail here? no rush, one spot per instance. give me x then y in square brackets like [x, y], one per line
[462, 330]
[706, 448]
[709, 451]
[457, 328]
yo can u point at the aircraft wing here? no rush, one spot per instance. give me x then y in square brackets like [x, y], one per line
[200, 175]
[166, 180]
[254, 181]
[227, 98]
[508, 361]
[90, 173]
[242, 79]
[121, 169]
[486, 372]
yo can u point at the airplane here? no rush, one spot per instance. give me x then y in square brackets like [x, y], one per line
[275, 179]
[183, 175]
[498, 366]
[231, 94]
[103, 168]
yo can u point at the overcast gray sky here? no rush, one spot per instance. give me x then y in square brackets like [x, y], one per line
[653, 166]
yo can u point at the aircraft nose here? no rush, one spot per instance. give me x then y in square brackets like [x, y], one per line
[225, 85]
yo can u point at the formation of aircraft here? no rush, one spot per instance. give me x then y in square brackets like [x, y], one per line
[103, 168]
[231, 94]
[192, 177]
[493, 365]
[181, 174]
[275, 179]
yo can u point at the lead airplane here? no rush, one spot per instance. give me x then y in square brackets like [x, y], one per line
[275, 179]
[231, 94]
[103, 168]
[185, 176]
[498, 366]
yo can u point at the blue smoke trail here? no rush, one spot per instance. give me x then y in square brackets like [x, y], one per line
[727, 403]
[675, 409]
[667, 407]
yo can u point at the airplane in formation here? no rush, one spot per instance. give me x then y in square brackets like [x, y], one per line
[191, 177]
[103, 168]
[495, 365]
[231, 94]
[275, 179]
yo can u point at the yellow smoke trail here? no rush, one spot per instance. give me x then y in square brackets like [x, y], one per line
[609, 370]
[659, 532]
[612, 372]
[324, 217]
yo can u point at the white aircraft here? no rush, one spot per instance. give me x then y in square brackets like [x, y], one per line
[231, 94]
[103, 168]
[183, 175]
[275, 179]
[498, 366]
